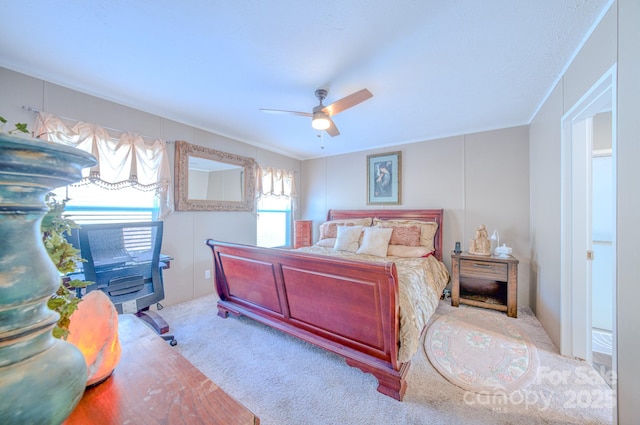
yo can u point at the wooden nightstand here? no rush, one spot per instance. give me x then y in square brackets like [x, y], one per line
[489, 282]
[302, 233]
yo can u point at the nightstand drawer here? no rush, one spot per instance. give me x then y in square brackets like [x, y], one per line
[484, 269]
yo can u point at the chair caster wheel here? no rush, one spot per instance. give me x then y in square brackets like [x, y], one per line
[173, 343]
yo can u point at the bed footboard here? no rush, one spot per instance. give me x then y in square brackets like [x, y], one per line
[348, 307]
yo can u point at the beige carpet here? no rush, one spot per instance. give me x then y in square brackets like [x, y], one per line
[481, 351]
[286, 381]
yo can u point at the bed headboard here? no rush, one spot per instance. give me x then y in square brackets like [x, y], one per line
[391, 214]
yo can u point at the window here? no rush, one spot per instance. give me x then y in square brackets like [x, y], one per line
[130, 182]
[274, 221]
[90, 204]
[276, 191]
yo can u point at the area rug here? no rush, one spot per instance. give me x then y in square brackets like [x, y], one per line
[481, 351]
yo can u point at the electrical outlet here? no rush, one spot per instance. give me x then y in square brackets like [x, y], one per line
[207, 274]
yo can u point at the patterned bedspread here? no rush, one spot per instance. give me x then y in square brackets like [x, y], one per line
[421, 281]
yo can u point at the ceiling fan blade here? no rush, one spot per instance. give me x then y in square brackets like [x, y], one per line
[347, 102]
[278, 111]
[332, 130]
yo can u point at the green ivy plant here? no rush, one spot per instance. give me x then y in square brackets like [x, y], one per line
[55, 225]
[18, 127]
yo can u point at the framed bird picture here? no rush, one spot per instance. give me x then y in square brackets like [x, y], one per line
[384, 179]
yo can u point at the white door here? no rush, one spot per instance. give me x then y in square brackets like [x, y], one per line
[603, 265]
[582, 137]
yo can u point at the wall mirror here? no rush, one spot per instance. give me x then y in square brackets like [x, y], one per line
[210, 180]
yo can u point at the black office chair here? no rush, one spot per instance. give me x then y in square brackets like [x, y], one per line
[123, 261]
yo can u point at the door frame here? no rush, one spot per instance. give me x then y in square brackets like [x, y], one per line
[575, 297]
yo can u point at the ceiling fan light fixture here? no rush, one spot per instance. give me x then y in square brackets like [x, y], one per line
[321, 115]
[320, 121]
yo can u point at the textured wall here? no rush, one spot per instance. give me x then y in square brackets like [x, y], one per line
[480, 178]
[184, 232]
[593, 60]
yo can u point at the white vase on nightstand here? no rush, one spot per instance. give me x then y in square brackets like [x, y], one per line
[495, 241]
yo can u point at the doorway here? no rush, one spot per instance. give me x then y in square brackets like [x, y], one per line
[603, 263]
[588, 226]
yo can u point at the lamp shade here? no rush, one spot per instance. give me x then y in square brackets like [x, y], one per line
[320, 121]
[94, 330]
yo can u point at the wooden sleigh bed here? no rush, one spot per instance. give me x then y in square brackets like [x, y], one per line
[347, 306]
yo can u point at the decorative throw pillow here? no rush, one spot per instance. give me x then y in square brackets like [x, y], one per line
[329, 229]
[428, 229]
[348, 238]
[375, 241]
[405, 235]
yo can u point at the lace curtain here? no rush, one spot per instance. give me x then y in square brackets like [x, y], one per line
[127, 161]
[275, 182]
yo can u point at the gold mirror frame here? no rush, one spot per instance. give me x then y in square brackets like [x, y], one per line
[183, 151]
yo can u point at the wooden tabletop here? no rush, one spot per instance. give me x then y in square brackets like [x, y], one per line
[154, 384]
[464, 255]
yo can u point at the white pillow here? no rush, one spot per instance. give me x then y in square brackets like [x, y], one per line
[375, 241]
[348, 238]
[326, 243]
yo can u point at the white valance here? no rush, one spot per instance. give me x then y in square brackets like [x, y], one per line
[275, 182]
[127, 161]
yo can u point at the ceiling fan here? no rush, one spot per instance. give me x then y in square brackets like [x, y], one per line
[321, 115]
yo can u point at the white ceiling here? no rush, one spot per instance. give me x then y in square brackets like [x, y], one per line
[435, 68]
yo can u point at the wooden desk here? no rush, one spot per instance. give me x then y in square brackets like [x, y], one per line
[154, 384]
